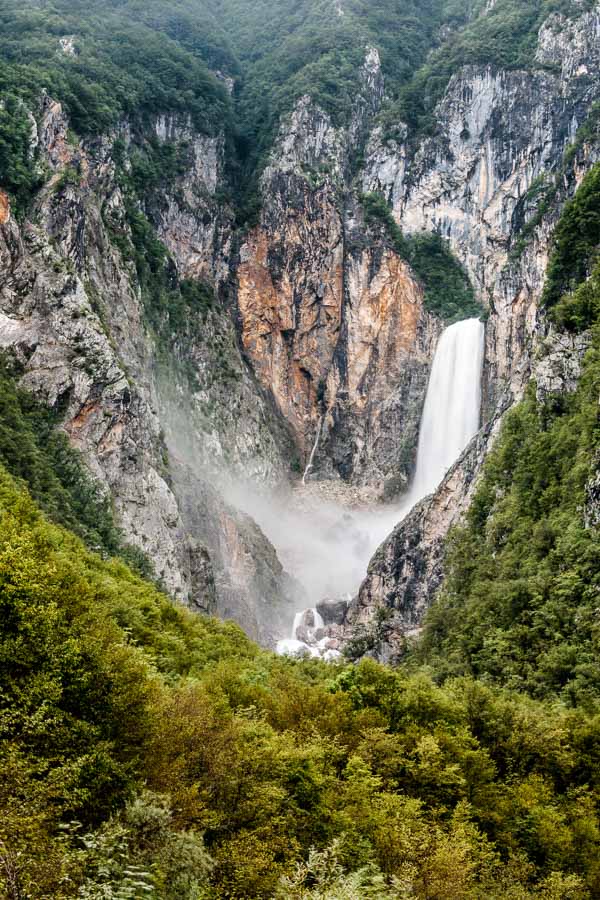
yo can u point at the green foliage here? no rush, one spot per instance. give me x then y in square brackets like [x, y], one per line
[18, 174]
[34, 449]
[520, 602]
[578, 310]
[122, 64]
[448, 290]
[520, 599]
[576, 240]
[129, 59]
[130, 727]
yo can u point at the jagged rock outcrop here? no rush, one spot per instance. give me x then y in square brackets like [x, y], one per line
[378, 380]
[333, 322]
[557, 367]
[407, 570]
[497, 132]
[195, 226]
[73, 313]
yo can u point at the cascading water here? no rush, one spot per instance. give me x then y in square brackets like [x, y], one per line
[450, 420]
[452, 406]
[307, 636]
[313, 452]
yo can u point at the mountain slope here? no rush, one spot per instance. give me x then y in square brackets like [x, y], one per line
[147, 747]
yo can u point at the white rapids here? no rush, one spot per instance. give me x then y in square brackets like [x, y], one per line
[308, 638]
[449, 422]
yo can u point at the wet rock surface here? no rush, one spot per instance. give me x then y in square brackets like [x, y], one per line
[333, 612]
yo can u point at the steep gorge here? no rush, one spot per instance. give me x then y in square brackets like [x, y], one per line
[317, 322]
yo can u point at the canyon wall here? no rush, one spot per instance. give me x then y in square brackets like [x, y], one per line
[154, 415]
[316, 327]
[501, 137]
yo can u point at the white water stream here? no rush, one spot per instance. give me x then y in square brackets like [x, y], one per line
[452, 406]
[450, 420]
[314, 450]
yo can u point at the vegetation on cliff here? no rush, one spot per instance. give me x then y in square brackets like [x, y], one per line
[123, 60]
[520, 606]
[448, 290]
[35, 451]
[128, 59]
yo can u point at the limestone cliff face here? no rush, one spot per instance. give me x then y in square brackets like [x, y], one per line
[62, 287]
[332, 320]
[290, 297]
[377, 383]
[194, 225]
[499, 134]
[72, 311]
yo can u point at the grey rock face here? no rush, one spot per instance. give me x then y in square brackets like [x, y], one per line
[558, 369]
[497, 133]
[592, 506]
[333, 612]
[407, 570]
[71, 310]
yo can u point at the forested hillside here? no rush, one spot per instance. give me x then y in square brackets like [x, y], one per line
[147, 750]
[151, 752]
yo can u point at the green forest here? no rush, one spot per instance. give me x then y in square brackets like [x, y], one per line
[147, 751]
[150, 752]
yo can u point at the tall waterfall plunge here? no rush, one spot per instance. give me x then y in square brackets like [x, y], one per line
[451, 414]
[450, 420]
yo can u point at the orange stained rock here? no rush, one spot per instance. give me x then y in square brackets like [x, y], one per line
[4, 208]
[291, 327]
[291, 344]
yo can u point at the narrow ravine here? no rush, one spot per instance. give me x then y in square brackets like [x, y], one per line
[449, 422]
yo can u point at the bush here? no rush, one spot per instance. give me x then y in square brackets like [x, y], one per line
[448, 290]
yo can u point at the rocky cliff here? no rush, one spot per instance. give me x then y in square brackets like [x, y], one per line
[154, 415]
[332, 319]
[226, 353]
[501, 142]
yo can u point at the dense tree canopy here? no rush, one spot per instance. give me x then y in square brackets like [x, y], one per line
[145, 745]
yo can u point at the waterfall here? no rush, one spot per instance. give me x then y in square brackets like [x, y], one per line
[314, 450]
[299, 620]
[452, 406]
[450, 420]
